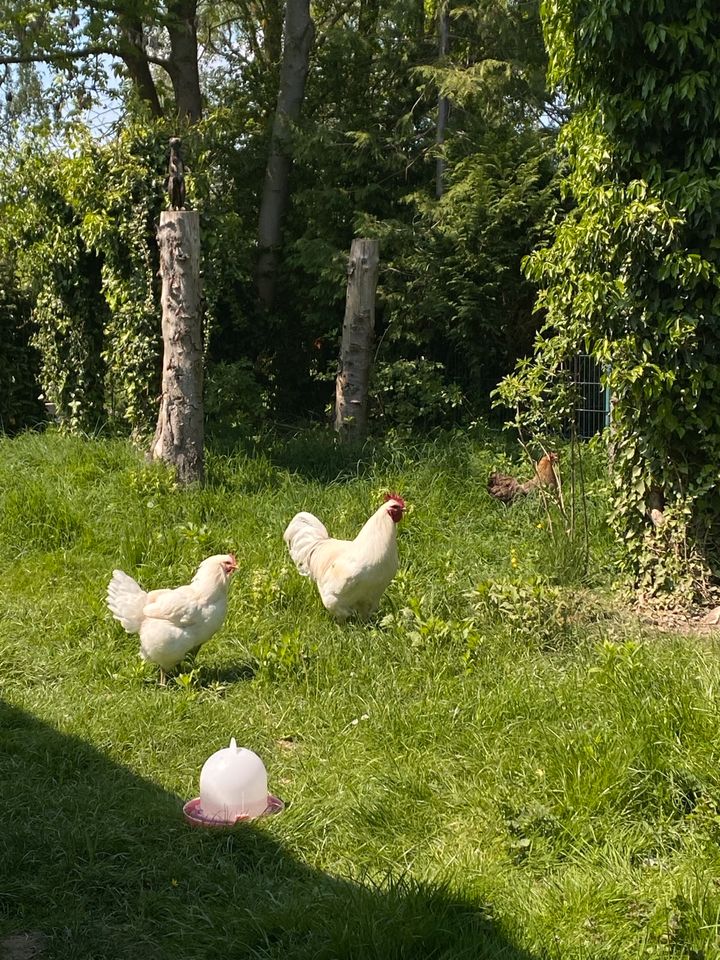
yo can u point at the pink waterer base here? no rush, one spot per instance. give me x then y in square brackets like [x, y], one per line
[193, 813]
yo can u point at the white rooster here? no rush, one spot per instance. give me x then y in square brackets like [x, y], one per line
[351, 575]
[171, 623]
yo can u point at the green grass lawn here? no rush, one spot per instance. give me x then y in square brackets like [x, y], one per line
[502, 764]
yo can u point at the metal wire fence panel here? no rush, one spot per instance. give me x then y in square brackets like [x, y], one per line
[592, 413]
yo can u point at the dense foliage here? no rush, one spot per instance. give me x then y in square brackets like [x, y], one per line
[81, 224]
[454, 310]
[19, 362]
[634, 270]
[453, 290]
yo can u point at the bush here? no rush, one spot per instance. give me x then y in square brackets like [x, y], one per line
[20, 405]
[235, 402]
[409, 394]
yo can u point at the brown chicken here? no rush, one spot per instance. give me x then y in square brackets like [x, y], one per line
[506, 488]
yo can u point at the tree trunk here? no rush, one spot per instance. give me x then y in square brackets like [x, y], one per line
[180, 433]
[298, 38]
[135, 59]
[272, 32]
[182, 65]
[351, 384]
[443, 102]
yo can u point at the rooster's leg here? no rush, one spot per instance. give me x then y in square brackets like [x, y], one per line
[163, 677]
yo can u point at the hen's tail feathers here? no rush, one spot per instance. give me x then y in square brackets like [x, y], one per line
[126, 600]
[504, 488]
[302, 535]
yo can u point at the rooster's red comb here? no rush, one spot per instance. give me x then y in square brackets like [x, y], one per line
[396, 497]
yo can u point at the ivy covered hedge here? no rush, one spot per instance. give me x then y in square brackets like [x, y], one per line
[80, 225]
[633, 274]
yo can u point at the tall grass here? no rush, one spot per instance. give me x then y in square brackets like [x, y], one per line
[500, 764]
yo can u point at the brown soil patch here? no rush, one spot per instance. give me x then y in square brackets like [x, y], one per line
[684, 620]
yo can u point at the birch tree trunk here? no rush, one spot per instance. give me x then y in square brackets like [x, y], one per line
[351, 385]
[298, 36]
[179, 435]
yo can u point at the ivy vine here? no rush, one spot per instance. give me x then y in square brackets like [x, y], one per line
[633, 273]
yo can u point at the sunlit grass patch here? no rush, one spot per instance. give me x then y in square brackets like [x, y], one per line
[500, 764]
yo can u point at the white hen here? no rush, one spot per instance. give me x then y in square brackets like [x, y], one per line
[351, 575]
[171, 623]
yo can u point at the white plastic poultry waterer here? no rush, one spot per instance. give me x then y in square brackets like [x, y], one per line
[233, 787]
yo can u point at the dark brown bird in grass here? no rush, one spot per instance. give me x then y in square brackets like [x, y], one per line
[508, 489]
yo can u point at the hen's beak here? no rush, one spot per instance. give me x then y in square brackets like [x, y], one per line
[230, 566]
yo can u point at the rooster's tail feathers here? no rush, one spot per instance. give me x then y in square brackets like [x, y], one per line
[126, 600]
[302, 535]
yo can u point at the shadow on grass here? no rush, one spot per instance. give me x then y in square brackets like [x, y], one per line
[313, 455]
[322, 458]
[316, 455]
[98, 863]
[225, 676]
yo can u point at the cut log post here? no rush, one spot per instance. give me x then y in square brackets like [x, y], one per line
[351, 385]
[179, 435]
